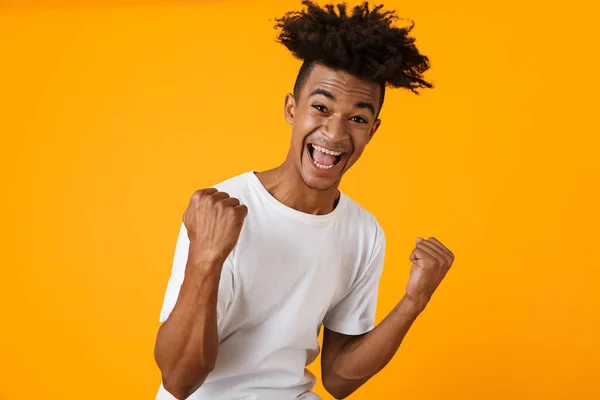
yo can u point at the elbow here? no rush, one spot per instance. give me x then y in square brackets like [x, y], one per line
[181, 386]
[179, 391]
[339, 394]
[338, 391]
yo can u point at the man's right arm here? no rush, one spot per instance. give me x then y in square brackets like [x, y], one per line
[187, 343]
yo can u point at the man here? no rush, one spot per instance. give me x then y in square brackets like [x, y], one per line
[265, 259]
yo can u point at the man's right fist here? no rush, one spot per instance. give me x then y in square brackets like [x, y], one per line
[213, 221]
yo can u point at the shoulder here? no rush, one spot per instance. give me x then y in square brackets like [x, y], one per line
[367, 232]
[235, 186]
[363, 221]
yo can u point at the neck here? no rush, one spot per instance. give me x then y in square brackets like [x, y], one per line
[286, 185]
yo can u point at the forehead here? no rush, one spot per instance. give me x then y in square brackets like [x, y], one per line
[342, 85]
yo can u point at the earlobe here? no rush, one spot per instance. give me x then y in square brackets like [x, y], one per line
[289, 108]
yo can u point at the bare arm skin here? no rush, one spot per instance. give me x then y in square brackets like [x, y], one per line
[348, 362]
[187, 343]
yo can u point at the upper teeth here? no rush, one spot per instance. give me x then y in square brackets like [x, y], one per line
[323, 150]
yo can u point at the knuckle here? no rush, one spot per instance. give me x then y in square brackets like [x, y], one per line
[197, 195]
[242, 211]
[211, 198]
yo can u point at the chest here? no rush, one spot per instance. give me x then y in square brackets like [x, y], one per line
[287, 271]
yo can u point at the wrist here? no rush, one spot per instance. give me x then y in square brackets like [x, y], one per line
[414, 304]
[203, 269]
[201, 279]
[203, 258]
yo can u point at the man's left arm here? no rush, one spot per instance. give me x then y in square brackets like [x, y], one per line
[349, 361]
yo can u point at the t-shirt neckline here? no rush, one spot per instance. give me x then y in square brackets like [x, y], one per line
[293, 213]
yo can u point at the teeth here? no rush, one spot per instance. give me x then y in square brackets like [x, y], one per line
[323, 150]
[323, 166]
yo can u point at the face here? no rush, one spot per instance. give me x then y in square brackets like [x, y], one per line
[332, 120]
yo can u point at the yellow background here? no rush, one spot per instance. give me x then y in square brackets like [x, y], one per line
[112, 114]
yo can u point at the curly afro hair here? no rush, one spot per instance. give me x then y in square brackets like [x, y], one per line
[362, 42]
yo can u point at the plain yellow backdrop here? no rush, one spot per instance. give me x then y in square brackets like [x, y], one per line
[113, 113]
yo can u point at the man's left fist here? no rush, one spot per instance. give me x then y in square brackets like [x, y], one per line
[431, 260]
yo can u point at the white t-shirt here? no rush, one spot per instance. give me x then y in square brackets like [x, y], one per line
[289, 273]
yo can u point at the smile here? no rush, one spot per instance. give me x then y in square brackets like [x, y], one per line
[323, 158]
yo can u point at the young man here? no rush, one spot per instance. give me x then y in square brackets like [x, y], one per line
[265, 259]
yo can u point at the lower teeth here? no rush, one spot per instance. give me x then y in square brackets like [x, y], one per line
[323, 166]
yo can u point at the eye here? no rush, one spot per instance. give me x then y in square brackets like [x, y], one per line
[360, 120]
[320, 108]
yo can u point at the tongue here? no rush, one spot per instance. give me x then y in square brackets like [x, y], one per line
[322, 158]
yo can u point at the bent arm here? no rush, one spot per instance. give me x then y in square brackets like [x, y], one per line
[348, 362]
[187, 343]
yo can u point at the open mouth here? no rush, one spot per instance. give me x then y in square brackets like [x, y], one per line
[323, 158]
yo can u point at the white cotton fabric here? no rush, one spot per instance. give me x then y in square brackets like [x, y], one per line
[289, 274]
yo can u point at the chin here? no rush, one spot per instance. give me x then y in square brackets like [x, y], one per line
[317, 183]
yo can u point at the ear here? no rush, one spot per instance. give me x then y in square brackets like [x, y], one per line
[289, 108]
[374, 129]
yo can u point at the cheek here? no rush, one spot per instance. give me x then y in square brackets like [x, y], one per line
[309, 122]
[305, 125]
[360, 141]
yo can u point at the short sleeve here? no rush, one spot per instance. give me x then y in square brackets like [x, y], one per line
[355, 313]
[178, 274]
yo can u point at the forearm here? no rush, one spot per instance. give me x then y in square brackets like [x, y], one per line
[365, 355]
[187, 343]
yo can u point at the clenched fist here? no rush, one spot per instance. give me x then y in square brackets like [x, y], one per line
[431, 260]
[213, 221]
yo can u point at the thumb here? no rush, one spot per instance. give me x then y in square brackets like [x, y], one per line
[419, 240]
[416, 257]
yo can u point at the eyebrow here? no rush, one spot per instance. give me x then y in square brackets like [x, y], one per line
[322, 92]
[330, 96]
[368, 106]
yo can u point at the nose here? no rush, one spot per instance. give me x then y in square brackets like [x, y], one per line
[335, 128]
